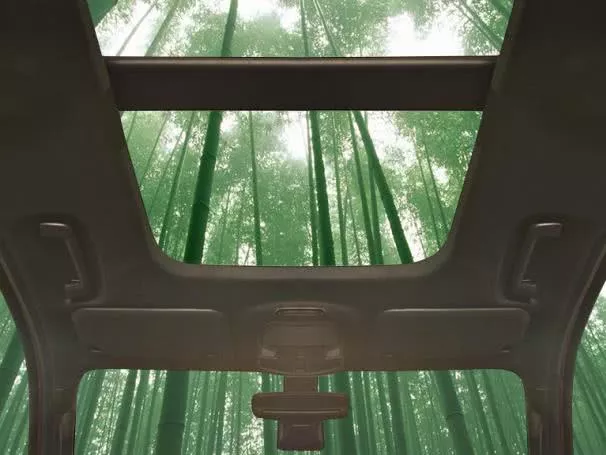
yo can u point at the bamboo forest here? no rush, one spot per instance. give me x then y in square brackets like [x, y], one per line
[302, 189]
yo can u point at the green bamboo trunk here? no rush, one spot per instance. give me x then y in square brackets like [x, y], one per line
[172, 417]
[432, 216]
[269, 426]
[340, 209]
[90, 408]
[360, 414]
[8, 422]
[399, 429]
[408, 411]
[20, 433]
[154, 199]
[134, 30]
[120, 432]
[160, 35]
[374, 216]
[201, 202]
[313, 213]
[384, 192]
[141, 392]
[146, 437]
[479, 410]
[386, 414]
[171, 426]
[362, 193]
[166, 222]
[9, 367]
[255, 193]
[154, 151]
[370, 410]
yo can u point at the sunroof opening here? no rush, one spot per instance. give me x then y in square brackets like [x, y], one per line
[298, 28]
[125, 411]
[299, 188]
[14, 394]
[589, 399]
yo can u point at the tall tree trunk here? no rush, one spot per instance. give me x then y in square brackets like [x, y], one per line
[448, 395]
[399, 429]
[345, 426]
[134, 30]
[152, 203]
[9, 367]
[453, 413]
[164, 27]
[137, 412]
[201, 202]
[172, 416]
[154, 150]
[8, 422]
[408, 412]
[381, 182]
[434, 185]
[215, 445]
[90, 408]
[171, 426]
[238, 237]
[255, 193]
[189, 414]
[478, 407]
[20, 433]
[327, 253]
[126, 402]
[313, 213]
[385, 192]
[374, 216]
[362, 192]
[269, 426]
[153, 405]
[361, 416]
[204, 402]
[237, 430]
[166, 222]
[495, 411]
[354, 227]
[370, 409]
[588, 394]
[223, 226]
[432, 216]
[386, 421]
[340, 210]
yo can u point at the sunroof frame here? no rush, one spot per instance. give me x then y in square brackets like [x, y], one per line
[65, 161]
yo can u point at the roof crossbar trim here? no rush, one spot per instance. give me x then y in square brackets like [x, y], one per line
[390, 83]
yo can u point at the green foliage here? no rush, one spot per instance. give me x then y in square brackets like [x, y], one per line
[266, 188]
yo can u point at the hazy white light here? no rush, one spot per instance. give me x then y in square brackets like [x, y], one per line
[403, 39]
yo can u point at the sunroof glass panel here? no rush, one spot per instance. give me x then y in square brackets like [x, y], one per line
[385, 197]
[274, 28]
[589, 399]
[427, 412]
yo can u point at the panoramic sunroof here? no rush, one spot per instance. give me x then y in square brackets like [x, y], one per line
[273, 28]
[298, 188]
[426, 412]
